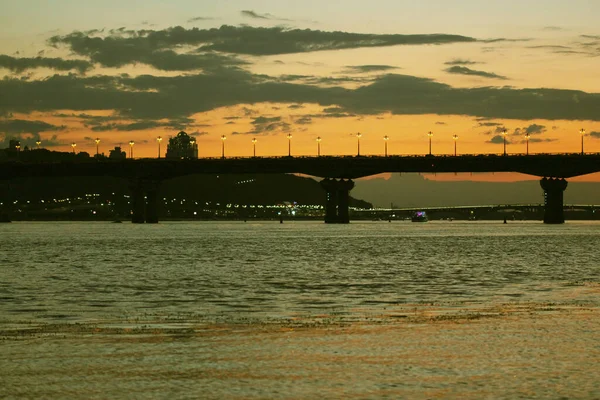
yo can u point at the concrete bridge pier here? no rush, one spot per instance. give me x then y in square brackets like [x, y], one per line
[553, 200]
[152, 202]
[6, 201]
[144, 201]
[337, 200]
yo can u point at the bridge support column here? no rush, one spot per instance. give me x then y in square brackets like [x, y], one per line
[5, 202]
[138, 203]
[144, 201]
[152, 204]
[553, 200]
[337, 200]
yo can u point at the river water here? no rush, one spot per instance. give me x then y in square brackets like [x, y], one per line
[300, 310]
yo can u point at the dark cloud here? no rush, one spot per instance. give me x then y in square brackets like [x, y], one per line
[265, 120]
[553, 47]
[459, 61]
[504, 40]
[467, 71]
[123, 47]
[135, 126]
[295, 106]
[440, 123]
[552, 28]
[498, 139]
[252, 14]
[535, 129]
[27, 132]
[20, 126]
[195, 19]
[489, 124]
[304, 120]
[22, 64]
[597, 37]
[255, 15]
[269, 125]
[117, 51]
[360, 69]
[29, 140]
[540, 140]
[595, 134]
[156, 98]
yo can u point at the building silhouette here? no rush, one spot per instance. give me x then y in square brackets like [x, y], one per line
[182, 146]
[117, 154]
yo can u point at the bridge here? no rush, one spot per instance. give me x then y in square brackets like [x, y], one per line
[338, 173]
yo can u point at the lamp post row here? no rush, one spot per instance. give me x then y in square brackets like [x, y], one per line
[358, 136]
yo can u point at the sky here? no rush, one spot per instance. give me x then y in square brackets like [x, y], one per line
[120, 71]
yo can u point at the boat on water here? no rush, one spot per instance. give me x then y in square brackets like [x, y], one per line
[419, 216]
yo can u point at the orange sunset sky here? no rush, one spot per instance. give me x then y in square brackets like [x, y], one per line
[132, 71]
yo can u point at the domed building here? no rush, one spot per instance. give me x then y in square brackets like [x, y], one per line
[182, 146]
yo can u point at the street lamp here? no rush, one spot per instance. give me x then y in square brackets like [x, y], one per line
[159, 139]
[430, 134]
[223, 138]
[358, 136]
[582, 131]
[97, 140]
[18, 147]
[319, 146]
[527, 136]
[504, 139]
[455, 137]
[385, 140]
[254, 147]
[38, 142]
[73, 145]
[289, 136]
[131, 143]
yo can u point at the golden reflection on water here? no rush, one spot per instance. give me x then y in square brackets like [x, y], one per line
[511, 350]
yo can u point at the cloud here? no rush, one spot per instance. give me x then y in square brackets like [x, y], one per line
[305, 120]
[540, 140]
[195, 19]
[467, 71]
[360, 69]
[489, 124]
[155, 98]
[255, 15]
[440, 123]
[595, 134]
[269, 125]
[135, 126]
[459, 61]
[20, 126]
[552, 28]
[29, 140]
[553, 47]
[252, 14]
[121, 47]
[27, 132]
[504, 40]
[535, 129]
[117, 51]
[498, 139]
[22, 64]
